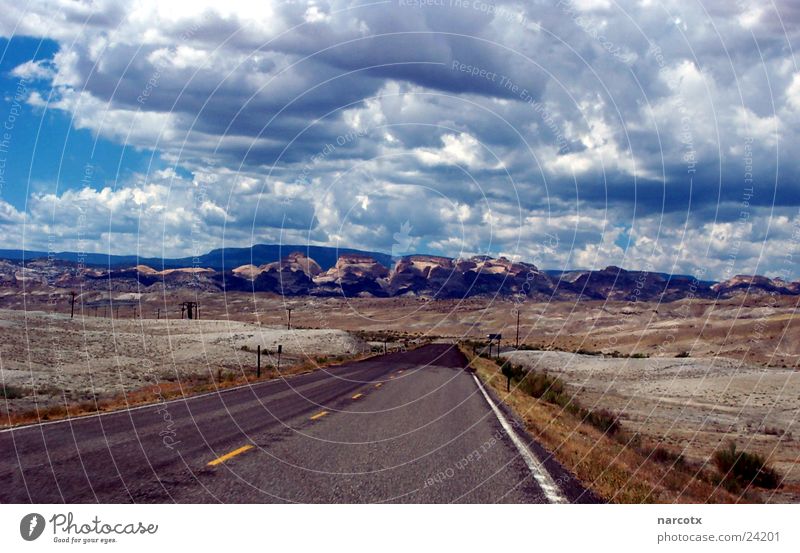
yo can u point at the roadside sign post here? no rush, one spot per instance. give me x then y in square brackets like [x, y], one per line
[258, 371]
[280, 349]
[491, 338]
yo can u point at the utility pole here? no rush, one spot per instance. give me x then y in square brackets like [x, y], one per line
[72, 305]
[518, 310]
[289, 322]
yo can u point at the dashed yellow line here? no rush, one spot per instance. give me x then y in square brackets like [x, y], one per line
[379, 384]
[357, 396]
[234, 453]
[319, 415]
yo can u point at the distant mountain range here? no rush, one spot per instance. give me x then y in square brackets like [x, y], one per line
[220, 259]
[322, 271]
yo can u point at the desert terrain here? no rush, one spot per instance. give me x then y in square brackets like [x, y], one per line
[690, 374]
[692, 406]
[752, 329]
[742, 328]
[48, 359]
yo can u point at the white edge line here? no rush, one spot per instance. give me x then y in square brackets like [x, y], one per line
[543, 478]
[154, 404]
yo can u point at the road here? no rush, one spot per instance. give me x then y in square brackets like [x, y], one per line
[404, 427]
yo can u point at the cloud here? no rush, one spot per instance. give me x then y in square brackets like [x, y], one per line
[34, 70]
[631, 130]
[461, 149]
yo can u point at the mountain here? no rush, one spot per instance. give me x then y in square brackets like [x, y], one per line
[354, 273]
[615, 283]
[291, 276]
[219, 259]
[229, 258]
[756, 285]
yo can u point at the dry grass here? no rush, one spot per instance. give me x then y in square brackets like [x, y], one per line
[621, 469]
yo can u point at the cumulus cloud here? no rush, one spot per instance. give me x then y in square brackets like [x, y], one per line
[634, 132]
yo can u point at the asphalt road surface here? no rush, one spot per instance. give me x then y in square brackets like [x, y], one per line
[405, 427]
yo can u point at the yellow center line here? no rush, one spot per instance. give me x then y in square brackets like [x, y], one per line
[319, 415]
[235, 452]
[379, 384]
[357, 396]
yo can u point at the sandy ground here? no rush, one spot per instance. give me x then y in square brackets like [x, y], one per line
[754, 330]
[692, 405]
[100, 356]
[739, 328]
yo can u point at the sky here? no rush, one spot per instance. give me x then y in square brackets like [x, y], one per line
[651, 135]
